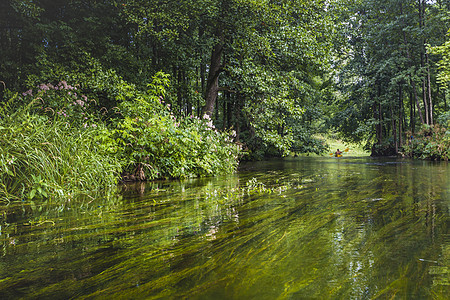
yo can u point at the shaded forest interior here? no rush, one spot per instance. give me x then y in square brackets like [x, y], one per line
[277, 73]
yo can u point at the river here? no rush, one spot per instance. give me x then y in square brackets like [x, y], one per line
[294, 228]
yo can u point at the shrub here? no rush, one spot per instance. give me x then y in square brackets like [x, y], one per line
[444, 119]
[431, 142]
[153, 143]
[64, 101]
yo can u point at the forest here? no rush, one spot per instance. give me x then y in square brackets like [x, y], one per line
[95, 92]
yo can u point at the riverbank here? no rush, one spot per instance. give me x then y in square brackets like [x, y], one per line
[57, 144]
[334, 143]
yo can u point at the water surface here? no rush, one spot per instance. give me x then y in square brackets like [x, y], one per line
[296, 228]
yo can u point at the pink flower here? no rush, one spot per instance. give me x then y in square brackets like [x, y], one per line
[29, 92]
[43, 87]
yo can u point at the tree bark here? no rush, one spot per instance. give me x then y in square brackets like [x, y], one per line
[230, 108]
[237, 114]
[394, 131]
[445, 100]
[225, 114]
[412, 113]
[202, 86]
[429, 90]
[400, 115]
[413, 84]
[422, 62]
[179, 94]
[379, 116]
[212, 84]
[425, 100]
[417, 101]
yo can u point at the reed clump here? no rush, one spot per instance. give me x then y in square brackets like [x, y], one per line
[42, 157]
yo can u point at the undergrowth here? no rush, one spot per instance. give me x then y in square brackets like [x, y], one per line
[431, 142]
[48, 158]
[55, 142]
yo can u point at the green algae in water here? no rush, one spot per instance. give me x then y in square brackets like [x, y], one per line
[285, 229]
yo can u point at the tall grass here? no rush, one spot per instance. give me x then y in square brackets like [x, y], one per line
[48, 158]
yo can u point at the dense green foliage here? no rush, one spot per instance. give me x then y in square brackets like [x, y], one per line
[237, 61]
[444, 64]
[431, 142]
[153, 143]
[56, 145]
[389, 79]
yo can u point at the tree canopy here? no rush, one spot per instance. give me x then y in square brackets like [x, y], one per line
[276, 72]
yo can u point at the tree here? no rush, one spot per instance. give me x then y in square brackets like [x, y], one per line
[253, 56]
[388, 62]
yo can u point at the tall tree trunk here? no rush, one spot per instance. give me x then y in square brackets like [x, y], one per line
[202, 76]
[188, 101]
[225, 114]
[400, 114]
[197, 88]
[230, 108]
[417, 101]
[413, 84]
[217, 111]
[429, 90]
[380, 119]
[237, 114]
[379, 116]
[212, 84]
[202, 85]
[394, 127]
[179, 92]
[425, 100]
[412, 113]
[445, 100]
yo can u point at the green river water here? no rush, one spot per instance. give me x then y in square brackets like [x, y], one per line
[296, 228]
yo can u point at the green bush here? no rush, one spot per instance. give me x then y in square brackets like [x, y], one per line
[431, 142]
[444, 119]
[64, 101]
[153, 143]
